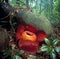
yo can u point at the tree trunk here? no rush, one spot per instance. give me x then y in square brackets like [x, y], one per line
[27, 4]
[7, 1]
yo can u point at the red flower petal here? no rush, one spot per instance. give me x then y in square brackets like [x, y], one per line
[28, 46]
[30, 28]
[20, 29]
[41, 35]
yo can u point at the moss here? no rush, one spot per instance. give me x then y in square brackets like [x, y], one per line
[39, 22]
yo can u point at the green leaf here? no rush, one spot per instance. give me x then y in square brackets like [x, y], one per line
[57, 49]
[53, 55]
[18, 57]
[49, 50]
[20, 52]
[55, 42]
[43, 48]
[6, 52]
[47, 41]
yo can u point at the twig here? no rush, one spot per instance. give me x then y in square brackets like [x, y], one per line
[11, 17]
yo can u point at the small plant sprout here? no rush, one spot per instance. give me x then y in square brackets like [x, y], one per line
[51, 48]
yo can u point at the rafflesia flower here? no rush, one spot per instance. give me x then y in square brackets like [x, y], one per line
[29, 38]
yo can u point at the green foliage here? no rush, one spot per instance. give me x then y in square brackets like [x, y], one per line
[17, 57]
[11, 53]
[48, 8]
[17, 3]
[55, 12]
[53, 55]
[43, 48]
[57, 49]
[50, 48]
[57, 4]
[20, 52]
[6, 52]
[47, 42]
[55, 42]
